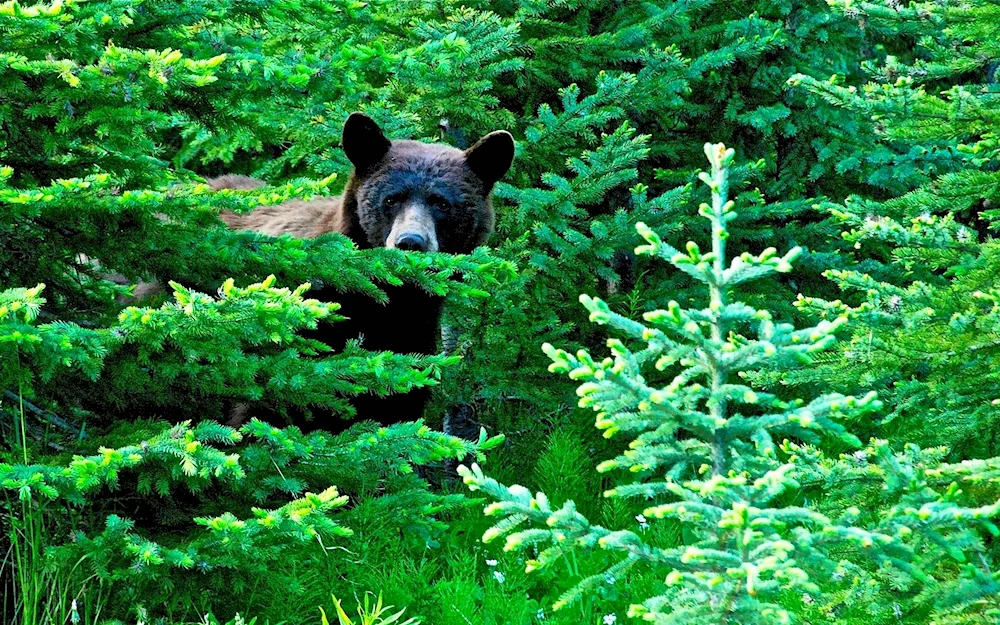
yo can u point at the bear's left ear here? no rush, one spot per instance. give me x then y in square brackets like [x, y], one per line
[491, 157]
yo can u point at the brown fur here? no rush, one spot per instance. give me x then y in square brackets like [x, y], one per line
[305, 219]
[235, 181]
[357, 214]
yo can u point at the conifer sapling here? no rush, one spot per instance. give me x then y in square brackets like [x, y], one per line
[705, 446]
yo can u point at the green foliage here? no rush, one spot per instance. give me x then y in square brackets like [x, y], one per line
[925, 267]
[370, 614]
[884, 177]
[921, 286]
[718, 457]
[613, 147]
[125, 496]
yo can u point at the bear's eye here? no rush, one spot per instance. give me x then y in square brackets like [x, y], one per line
[392, 200]
[438, 201]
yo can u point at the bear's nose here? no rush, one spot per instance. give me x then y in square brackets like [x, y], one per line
[411, 242]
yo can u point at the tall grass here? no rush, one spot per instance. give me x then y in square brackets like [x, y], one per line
[37, 595]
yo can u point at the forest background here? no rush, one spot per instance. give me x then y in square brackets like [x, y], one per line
[864, 150]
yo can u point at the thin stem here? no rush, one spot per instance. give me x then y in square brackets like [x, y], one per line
[729, 601]
[717, 291]
[20, 398]
[25, 559]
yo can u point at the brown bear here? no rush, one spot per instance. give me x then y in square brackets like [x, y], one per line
[407, 195]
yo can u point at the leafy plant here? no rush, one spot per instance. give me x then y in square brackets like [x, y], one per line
[370, 614]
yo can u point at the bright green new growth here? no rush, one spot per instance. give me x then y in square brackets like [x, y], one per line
[101, 146]
[704, 444]
[279, 485]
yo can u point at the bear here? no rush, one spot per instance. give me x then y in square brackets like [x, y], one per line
[402, 194]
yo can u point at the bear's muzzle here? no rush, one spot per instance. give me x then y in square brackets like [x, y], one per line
[413, 229]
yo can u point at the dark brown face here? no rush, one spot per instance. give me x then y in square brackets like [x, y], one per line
[422, 196]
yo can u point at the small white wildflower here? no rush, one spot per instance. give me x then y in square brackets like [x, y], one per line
[895, 303]
[610, 579]
[609, 619]
[897, 611]
[641, 520]
[74, 616]
[499, 577]
[491, 563]
[861, 455]
[963, 234]
[238, 620]
[806, 599]
[540, 615]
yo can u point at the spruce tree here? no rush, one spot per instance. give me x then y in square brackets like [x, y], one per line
[741, 471]
[677, 72]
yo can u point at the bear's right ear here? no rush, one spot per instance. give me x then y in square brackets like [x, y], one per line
[363, 141]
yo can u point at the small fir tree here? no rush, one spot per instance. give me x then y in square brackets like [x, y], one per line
[719, 458]
[705, 440]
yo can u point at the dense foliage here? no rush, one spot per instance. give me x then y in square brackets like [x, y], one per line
[864, 137]
[717, 457]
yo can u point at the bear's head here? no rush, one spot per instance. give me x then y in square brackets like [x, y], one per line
[411, 195]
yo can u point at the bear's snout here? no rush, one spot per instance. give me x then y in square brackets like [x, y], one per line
[411, 242]
[413, 230]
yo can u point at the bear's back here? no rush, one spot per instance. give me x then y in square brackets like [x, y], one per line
[305, 219]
